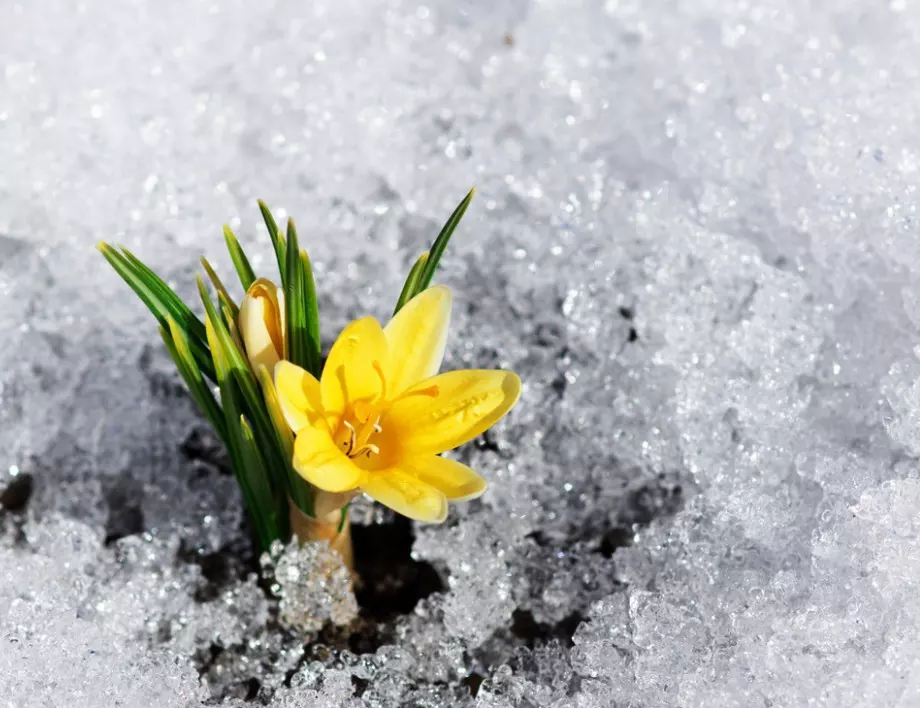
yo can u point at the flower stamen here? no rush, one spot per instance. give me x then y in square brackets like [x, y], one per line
[352, 437]
[367, 449]
[358, 442]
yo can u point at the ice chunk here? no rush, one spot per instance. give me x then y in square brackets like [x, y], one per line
[66, 635]
[902, 391]
[480, 598]
[330, 689]
[313, 585]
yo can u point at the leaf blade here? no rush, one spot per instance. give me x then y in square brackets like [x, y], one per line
[194, 325]
[161, 301]
[440, 243]
[311, 305]
[218, 284]
[410, 288]
[232, 361]
[177, 345]
[262, 498]
[244, 270]
[299, 489]
[277, 240]
[301, 311]
[275, 526]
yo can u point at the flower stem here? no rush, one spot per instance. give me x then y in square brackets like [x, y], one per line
[334, 527]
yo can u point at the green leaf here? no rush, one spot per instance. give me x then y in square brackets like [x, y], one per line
[273, 404]
[230, 322]
[222, 293]
[162, 302]
[183, 315]
[240, 262]
[222, 364]
[177, 345]
[410, 289]
[302, 318]
[140, 286]
[221, 334]
[261, 501]
[264, 501]
[274, 525]
[295, 317]
[311, 306]
[440, 243]
[277, 239]
[299, 489]
[229, 359]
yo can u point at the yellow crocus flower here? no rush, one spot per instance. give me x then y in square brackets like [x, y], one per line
[261, 324]
[380, 416]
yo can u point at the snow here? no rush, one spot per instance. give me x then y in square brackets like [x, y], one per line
[694, 237]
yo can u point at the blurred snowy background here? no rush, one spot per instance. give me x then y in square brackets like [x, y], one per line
[695, 238]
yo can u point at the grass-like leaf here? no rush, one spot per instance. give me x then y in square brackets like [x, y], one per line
[177, 345]
[232, 352]
[277, 239]
[276, 524]
[261, 498]
[221, 361]
[298, 488]
[252, 403]
[410, 289]
[171, 300]
[244, 270]
[273, 405]
[162, 302]
[218, 284]
[440, 243]
[230, 322]
[311, 307]
[302, 320]
[295, 316]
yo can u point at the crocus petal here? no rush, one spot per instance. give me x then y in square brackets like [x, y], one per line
[448, 410]
[417, 336]
[457, 481]
[261, 324]
[321, 463]
[354, 369]
[298, 395]
[406, 494]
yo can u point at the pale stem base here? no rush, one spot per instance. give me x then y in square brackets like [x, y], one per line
[325, 528]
